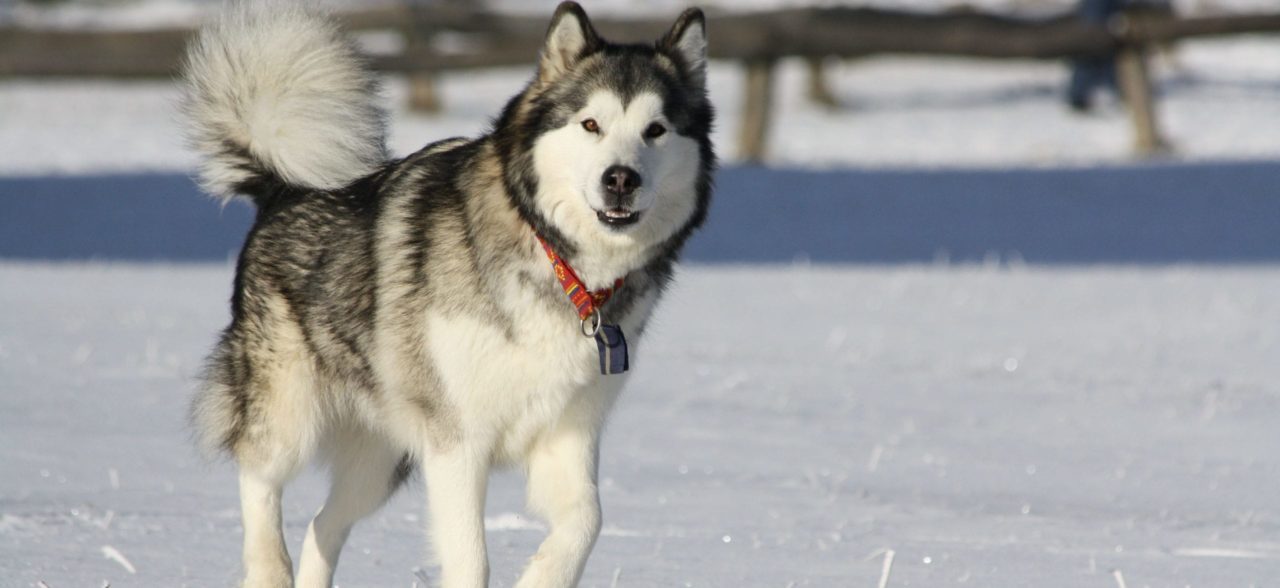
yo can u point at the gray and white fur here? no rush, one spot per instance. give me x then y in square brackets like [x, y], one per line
[398, 314]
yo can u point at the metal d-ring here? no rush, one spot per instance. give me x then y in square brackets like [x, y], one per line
[592, 328]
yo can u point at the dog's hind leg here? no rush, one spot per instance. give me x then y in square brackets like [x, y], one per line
[562, 488]
[269, 459]
[266, 560]
[283, 421]
[366, 470]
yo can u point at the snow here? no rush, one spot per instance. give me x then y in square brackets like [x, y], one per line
[1218, 102]
[1143, 214]
[989, 427]
[139, 14]
[1062, 376]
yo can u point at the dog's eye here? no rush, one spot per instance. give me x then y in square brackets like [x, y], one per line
[591, 126]
[654, 130]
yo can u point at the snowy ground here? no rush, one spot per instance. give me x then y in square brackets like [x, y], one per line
[135, 14]
[1151, 214]
[991, 428]
[1003, 423]
[1220, 101]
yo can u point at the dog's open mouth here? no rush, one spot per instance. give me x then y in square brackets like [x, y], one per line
[618, 217]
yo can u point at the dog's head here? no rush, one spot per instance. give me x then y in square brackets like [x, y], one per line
[608, 147]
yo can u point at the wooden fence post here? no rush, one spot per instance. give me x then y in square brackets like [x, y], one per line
[819, 89]
[423, 94]
[756, 106]
[1135, 84]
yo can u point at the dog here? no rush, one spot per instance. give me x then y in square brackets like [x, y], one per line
[470, 306]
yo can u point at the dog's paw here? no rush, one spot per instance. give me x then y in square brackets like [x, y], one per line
[273, 577]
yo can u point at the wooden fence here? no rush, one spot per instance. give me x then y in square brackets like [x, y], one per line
[756, 40]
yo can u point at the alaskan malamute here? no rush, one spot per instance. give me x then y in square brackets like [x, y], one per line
[468, 306]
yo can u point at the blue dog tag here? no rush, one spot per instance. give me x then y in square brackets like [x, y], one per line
[613, 350]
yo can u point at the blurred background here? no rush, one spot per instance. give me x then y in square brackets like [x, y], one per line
[989, 290]
[1008, 104]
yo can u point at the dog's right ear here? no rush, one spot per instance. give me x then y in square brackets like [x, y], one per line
[569, 38]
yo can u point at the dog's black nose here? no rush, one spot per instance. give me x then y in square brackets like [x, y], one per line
[620, 180]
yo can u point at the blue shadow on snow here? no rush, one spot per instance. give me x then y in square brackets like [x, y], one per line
[1150, 214]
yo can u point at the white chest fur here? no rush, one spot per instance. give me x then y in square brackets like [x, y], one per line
[511, 382]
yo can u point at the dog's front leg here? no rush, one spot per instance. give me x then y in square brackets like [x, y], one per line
[456, 485]
[562, 488]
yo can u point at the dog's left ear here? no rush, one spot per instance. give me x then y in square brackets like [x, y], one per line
[569, 38]
[687, 40]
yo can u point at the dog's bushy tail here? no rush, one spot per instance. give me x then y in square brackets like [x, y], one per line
[276, 96]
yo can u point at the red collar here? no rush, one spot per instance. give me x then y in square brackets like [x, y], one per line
[586, 301]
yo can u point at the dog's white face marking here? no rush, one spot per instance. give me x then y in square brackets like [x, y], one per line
[571, 162]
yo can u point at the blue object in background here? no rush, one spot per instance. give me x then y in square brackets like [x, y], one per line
[125, 217]
[1146, 214]
[1094, 73]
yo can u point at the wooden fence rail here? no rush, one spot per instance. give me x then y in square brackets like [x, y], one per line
[757, 40]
